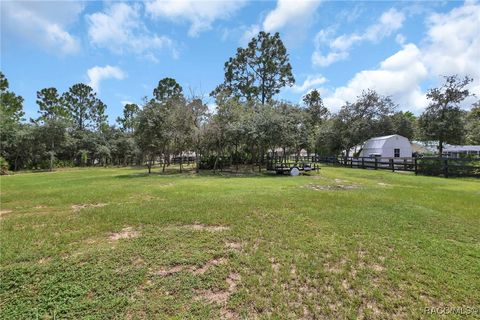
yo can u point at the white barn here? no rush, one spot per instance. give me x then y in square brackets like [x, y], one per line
[392, 146]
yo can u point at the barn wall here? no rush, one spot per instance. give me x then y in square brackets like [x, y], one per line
[397, 143]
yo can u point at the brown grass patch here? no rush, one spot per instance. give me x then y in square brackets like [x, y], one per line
[203, 227]
[125, 233]
[78, 207]
[169, 271]
[377, 267]
[208, 265]
[44, 260]
[221, 296]
[5, 212]
[337, 267]
[275, 265]
[194, 269]
[335, 187]
[235, 246]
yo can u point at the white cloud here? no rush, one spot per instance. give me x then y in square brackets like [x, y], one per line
[453, 42]
[97, 74]
[249, 33]
[296, 15]
[44, 23]
[451, 46]
[125, 102]
[311, 82]
[120, 29]
[200, 14]
[398, 76]
[389, 22]
[289, 12]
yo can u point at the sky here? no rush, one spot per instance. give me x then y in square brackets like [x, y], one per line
[122, 49]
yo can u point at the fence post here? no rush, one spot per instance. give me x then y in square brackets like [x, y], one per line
[376, 163]
[391, 165]
[416, 168]
[363, 163]
[445, 168]
[404, 164]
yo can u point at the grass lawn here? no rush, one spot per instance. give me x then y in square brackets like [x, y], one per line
[344, 243]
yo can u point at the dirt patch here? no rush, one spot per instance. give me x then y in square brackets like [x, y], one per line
[319, 187]
[78, 207]
[203, 227]
[293, 270]
[5, 212]
[382, 184]
[125, 233]
[142, 198]
[377, 268]
[139, 262]
[169, 271]
[275, 265]
[235, 246]
[208, 265]
[44, 260]
[221, 296]
[346, 286]
[194, 269]
[337, 267]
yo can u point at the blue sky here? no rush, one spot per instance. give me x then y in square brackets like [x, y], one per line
[123, 49]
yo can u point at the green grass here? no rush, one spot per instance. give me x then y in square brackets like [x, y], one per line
[390, 247]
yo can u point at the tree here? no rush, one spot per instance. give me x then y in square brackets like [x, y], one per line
[86, 110]
[316, 113]
[368, 117]
[473, 124]
[403, 123]
[11, 105]
[11, 115]
[127, 123]
[200, 115]
[51, 104]
[180, 123]
[315, 108]
[258, 71]
[167, 89]
[152, 131]
[443, 119]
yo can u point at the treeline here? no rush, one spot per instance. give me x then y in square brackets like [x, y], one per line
[248, 123]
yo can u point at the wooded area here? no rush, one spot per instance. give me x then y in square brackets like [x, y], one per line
[248, 123]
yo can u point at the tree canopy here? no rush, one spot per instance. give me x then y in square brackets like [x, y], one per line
[259, 71]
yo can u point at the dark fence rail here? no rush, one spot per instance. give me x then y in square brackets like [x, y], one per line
[461, 167]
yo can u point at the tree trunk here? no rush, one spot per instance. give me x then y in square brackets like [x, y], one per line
[181, 162]
[149, 165]
[197, 161]
[215, 164]
[51, 156]
[236, 157]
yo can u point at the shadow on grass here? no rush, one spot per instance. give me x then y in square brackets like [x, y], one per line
[203, 173]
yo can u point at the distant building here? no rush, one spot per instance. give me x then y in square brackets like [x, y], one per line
[425, 147]
[453, 151]
[392, 146]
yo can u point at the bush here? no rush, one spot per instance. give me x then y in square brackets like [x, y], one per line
[207, 163]
[3, 166]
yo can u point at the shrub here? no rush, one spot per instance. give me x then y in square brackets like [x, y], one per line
[3, 166]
